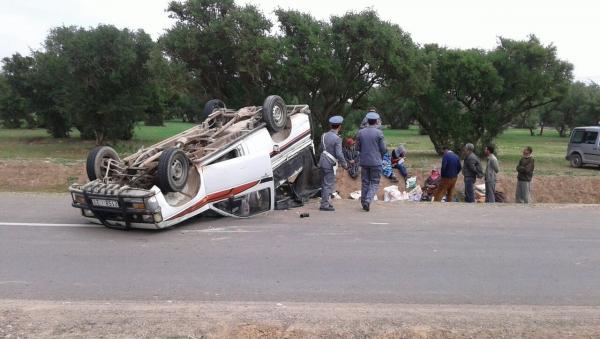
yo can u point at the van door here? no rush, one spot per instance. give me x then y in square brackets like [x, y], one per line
[589, 147]
[241, 186]
[594, 155]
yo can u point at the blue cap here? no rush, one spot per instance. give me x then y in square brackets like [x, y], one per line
[336, 120]
[372, 116]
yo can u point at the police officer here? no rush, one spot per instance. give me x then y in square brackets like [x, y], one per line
[371, 145]
[332, 154]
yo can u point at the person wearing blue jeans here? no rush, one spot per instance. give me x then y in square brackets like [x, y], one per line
[398, 157]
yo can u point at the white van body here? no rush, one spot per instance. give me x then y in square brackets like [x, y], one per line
[235, 181]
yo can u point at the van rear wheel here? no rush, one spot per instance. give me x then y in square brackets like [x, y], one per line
[274, 113]
[97, 162]
[172, 172]
[576, 160]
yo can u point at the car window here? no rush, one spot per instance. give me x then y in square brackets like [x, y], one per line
[577, 137]
[590, 138]
[247, 205]
[234, 153]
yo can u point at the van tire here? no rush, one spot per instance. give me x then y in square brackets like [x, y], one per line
[172, 172]
[211, 106]
[274, 113]
[95, 160]
[575, 160]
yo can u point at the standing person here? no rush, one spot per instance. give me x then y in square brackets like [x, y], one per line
[524, 175]
[365, 123]
[330, 157]
[471, 171]
[450, 169]
[371, 145]
[491, 169]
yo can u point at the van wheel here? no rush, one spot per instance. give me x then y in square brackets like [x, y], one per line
[576, 160]
[95, 165]
[211, 106]
[172, 173]
[274, 113]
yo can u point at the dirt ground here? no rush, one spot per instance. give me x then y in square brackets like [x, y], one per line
[166, 319]
[546, 189]
[50, 176]
[39, 175]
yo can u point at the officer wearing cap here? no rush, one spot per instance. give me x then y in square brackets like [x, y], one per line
[332, 154]
[371, 145]
[365, 123]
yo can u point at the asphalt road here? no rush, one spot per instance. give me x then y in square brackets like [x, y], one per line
[402, 253]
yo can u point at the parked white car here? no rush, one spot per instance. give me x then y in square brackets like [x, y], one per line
[237, 163]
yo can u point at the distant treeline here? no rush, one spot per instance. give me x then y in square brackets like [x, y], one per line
[103, 80]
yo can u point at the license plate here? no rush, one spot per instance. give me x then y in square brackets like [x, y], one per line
[105, 203]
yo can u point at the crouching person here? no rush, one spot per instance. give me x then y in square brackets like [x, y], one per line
[332, 154]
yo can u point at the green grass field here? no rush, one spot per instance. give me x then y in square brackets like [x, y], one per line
[549, 149]
[37, 144]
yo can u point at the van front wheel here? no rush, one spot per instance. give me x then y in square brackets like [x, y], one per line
[576, 160]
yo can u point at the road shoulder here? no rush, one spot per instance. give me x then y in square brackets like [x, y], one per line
[162, 319]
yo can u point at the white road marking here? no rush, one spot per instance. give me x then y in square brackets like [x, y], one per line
[379, 223]
[32, 224]
[218, 230]
[13, 282]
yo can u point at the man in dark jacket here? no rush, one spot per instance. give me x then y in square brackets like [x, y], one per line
[471, 171]
[524, 176]
[450, 169]
[371, 146]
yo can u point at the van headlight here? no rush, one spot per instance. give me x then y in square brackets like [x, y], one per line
[135, 203]
[152, 204]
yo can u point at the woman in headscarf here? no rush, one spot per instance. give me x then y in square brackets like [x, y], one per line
[431, 185]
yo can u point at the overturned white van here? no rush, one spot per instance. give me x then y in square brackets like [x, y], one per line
[237, 163]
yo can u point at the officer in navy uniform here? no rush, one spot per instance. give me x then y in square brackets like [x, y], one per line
[332, 155]
[371, 145]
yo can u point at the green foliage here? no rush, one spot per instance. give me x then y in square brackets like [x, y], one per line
[225, 47]
[100, 80]
[16, 88]
[580, 107]
[473, 95]
[331, 64]
[396, 109]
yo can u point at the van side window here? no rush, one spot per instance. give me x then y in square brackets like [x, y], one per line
[234, 153]
[590, 138]
[577, 137]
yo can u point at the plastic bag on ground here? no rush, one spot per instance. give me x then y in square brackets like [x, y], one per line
[415, 194]
[355, 195]
[411, 183]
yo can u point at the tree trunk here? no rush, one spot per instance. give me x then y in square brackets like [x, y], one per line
[531, 131]
[541, 129]
[99, 137]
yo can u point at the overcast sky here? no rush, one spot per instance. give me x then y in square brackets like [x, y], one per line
[573, 25]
